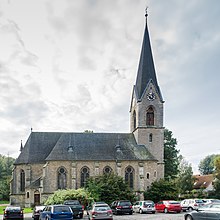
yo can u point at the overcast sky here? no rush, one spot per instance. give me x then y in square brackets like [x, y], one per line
[68, 65]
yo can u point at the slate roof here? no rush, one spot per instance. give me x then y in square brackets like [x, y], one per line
[146, 70]
[48, 146]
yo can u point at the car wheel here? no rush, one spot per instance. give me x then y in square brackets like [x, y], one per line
[130, 213]
[165, 210]
[189, 217]
[141, 211]
[81, 215]
[190, 209]
[153, 212]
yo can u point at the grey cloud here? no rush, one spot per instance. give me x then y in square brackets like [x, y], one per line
[25, 112]
[85, 96]
[86, 60]
[20, 104]
[21, 53]
[57, 71]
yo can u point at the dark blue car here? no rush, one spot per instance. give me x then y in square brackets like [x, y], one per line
[56, 212]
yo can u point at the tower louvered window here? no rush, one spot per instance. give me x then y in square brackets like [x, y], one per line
[62, 182]
[150, 117]
[84, 176]
[22, 181]
[129, 176]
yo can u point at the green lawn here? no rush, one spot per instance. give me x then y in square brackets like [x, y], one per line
[26, 210]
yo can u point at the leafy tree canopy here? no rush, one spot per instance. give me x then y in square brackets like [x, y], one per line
[171, 155]
[59, 196]
[162, 190]
[185, 177]
[217, 166]
[206, 165]
[109, 187]
[6, 166]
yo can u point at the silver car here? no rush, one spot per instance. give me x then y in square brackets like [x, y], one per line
[100, 211]
[207, 212]
[146, 206]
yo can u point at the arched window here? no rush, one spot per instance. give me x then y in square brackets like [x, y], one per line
[148, 176]
[134, 118]
[129, 176]
[107, 170]
[22, 181]
[150, 138]
[84, 176]
[61, 178]
[150, 116]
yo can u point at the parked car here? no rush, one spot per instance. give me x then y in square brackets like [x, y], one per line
[207, 212]
[146, 206]
[36, 212]
[99, 211]
[76, 207]
[122, 207]
[13, 212]
[208, 201]
[191, 204]
[52, 212]
[168, 206]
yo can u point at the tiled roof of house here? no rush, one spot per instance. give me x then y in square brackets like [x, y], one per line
[47, 146]
[203, 181]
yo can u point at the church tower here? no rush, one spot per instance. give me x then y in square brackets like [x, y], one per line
[146, 111]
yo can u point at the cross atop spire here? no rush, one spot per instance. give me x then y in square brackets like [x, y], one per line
[146, 14]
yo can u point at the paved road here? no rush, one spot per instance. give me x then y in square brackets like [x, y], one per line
[136, 216]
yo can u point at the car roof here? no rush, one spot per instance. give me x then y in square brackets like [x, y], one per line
[101, 204]
[13, 207]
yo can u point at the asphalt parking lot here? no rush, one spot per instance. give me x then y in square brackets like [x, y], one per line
[137, 216]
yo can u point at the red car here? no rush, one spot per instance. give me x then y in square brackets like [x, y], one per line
[168, 206]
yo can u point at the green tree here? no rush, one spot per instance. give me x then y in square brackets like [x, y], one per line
[59, 196]
[109, 187]
[6, 166]
[162, 190]
[206, 165]
[185, 177]
[216, 182]
[217, 167]
[88, 131]
[171, 156]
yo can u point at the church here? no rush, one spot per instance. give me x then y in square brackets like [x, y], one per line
[50, 161]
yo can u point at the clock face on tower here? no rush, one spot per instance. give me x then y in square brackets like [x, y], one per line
[151, 96]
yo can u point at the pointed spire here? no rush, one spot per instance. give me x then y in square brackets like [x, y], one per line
[21, 148]
[146, 70]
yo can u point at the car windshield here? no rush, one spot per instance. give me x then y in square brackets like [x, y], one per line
[174, 202]
[13, 208]
[61, 209]
[39, 208]
[148, 203]
[101, 208]
[199, 201]
[72, 203]
[125, 203]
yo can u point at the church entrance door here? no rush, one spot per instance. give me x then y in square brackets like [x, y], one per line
[36, 198]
